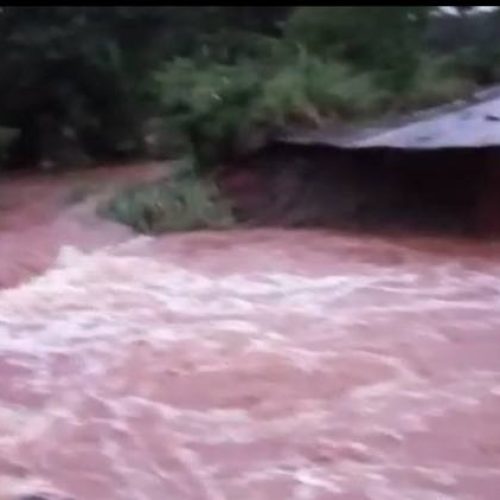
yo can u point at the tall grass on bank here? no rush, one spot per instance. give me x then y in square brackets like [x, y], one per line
[182, 202]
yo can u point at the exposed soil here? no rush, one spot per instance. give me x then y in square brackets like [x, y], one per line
[442, 192]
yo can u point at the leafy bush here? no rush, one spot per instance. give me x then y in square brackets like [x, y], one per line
[182, 203]
[209, 104]
[221, 108]
[309, 89]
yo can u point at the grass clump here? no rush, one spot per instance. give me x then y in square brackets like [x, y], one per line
[183, 202]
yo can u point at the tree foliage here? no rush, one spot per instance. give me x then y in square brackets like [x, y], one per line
[91, 72]
[384, 39]
[82, 67]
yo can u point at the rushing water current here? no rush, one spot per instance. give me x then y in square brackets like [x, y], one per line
[253, 365]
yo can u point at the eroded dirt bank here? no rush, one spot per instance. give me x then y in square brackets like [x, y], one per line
[260, 364]
[377, 190]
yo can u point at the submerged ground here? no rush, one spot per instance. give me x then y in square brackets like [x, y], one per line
[261, 364]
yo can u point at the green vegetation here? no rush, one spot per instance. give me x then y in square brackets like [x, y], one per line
[226, 109]
[213, 82]
[329, 63]
[183, 202]
[217, 76]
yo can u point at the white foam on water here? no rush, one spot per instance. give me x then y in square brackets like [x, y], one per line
[163, 381]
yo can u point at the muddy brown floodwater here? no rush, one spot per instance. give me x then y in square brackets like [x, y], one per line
[253, 365]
